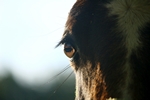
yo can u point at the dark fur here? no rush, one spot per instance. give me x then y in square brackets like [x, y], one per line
[91, 32]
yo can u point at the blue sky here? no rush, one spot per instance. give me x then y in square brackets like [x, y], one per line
[29, 31]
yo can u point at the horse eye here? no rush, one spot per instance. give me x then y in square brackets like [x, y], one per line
[69, 50]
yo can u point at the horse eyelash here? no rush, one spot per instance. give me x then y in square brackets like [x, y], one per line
[67, 38]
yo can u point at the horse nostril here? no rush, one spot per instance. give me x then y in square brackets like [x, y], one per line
[69, 50]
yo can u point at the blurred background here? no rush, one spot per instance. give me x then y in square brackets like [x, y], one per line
[31, 68]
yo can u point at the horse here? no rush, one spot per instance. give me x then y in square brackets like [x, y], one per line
[108, 43]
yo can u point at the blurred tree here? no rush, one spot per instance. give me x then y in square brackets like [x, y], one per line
[10, 90]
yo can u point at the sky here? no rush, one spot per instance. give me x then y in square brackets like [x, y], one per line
[29, 32]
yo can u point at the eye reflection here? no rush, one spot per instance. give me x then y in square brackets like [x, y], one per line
[69, 50]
